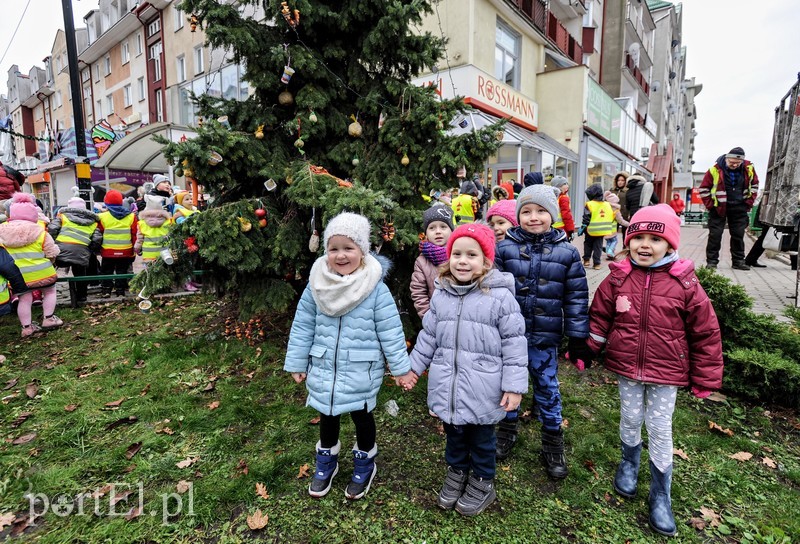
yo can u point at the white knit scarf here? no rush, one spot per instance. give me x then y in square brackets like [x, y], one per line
[336, 295]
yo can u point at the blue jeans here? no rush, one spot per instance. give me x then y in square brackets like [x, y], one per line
[471, 447]
[543, 369]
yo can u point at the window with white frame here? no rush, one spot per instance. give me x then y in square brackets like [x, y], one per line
[99, 109]
[180, 66]
[58, 63]
[126, 53]
[141, 89]
[178, 14]
[159, 105]
[506, 55]
[107, 65]
[198, 59]
[153, 27]
[59, 101]
[110, 104]
[139, 44]
[97, 72]
[126, 94]
[155, 55]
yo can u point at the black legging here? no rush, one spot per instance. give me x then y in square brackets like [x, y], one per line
[365, 429]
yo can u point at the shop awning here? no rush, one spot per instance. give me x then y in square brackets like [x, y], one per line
[138, 151]
[514, 135]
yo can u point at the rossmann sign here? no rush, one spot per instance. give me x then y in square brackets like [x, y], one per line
[485, 93]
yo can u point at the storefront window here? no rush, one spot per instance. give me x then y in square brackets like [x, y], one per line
[547, 165]
[602, 166]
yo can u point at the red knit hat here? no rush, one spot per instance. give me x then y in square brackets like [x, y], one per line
[659, 220]
[480, 233]
[507, 209]
[113, 197]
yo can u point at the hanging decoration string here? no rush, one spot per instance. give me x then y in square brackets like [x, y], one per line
[9, 131]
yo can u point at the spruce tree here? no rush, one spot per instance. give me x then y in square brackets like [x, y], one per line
[347, 132]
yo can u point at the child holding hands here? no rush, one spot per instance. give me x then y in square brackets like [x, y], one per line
[346, 322]
[660, 332]
[473, 342]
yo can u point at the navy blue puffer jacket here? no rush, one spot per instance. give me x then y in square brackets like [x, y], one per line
[550, 284]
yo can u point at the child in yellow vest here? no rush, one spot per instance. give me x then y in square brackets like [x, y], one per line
[598, 222]
[75, 230]
[154, 225]
[33, 251]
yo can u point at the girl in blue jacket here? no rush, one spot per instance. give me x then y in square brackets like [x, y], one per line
[346, 322]
[473, 341]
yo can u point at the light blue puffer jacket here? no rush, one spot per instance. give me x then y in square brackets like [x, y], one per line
[343, 357]
[475, 347]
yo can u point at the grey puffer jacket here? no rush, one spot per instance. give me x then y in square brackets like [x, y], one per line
[77, 254]
[475, 347]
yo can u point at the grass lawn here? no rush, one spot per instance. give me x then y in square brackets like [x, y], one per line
[158, 403]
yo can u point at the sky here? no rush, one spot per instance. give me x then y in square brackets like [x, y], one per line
[741, 51]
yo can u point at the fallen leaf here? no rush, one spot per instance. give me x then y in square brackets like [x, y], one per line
[565, 423]
[165, 430]
[769, 462]
[24, 439]
[697, 523]
[21, 419]
[242, 467]
[742, 456]
[213, 405]
[6, 519]
[11, 383]
[70, 407]
[31, 390]
[20, 524]
[101, 491]
[710, 516]
[189, 461]
[590, 465]
[3, 360]
[115, 498]
[139, 364]
[183, 486]
[122, 421]
[210, 387]
[9, 398]
[261, 490]
[116, 403]
[680, 453]
[133, 513]
[716, 396]
[303, 472]
[132, 450]
[315, 420]
[250, 375]
[145, 390]
[766, 449]
[257, 521]
[714, 427]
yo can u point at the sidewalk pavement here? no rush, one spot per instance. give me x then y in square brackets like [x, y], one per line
[772, 288]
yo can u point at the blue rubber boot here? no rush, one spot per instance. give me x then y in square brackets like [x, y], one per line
[628, 471]
[326, 469]
[363, 472]
[661, 519]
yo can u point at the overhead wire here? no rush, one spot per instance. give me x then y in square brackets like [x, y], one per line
[24, 11]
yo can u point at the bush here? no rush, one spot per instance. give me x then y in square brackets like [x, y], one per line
[762, 355]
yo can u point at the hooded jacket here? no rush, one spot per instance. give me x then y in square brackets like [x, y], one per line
[657, 325]
[10, 276]
[152, 218]
[550, 284]
[746, 187]
[22, 233]
[422, 284]
[634, 195]
[8, 185]
[76, 254]
[474, 346]
[343, 357]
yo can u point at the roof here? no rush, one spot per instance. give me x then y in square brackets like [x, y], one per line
[658, 4]
[139, 152]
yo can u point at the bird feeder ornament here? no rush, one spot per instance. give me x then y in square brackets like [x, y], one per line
[292, 17]
[405, 160]
[313, 242]
[244, 224]
[355, 161]
[312, 118]
[354, 129]
[388, 231]
[193, 22]
[285, 98]
[288, 72]
[214, 159]
[259, 134]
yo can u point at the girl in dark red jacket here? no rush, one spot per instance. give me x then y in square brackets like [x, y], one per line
[660, 333]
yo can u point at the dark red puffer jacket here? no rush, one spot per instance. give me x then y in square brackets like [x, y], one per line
[657, 325]
[8, 185]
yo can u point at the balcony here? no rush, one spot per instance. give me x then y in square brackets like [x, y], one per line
[535, 11]
[563, 39]
[637, 74]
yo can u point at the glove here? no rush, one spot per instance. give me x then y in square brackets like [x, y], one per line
[699, 392]
[570, 235]
[581, 230]
[579, 354]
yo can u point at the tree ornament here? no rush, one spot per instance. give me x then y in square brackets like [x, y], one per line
[355, 161]
[214, 159]
[499, 135]
[313, 242]
[299, 143]
[285, 98]
[223, 120]
[262, 223]
[288, 72]
[292, 17]
[405, 160]
[179, 172]
[261, 213]
[388, 231]
[259, 132]
[193, 22]
[354, 129]
[381, 120]
[312, 118]
[191, 244]
[461, 172]
[244, 224]
[188, 172]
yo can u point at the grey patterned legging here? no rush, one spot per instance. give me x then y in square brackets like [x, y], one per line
[652, 404]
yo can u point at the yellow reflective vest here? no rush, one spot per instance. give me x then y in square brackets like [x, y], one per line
[602, 220]
[31, 261]
[462, 209]
[4, 294]
[559, 222]
[719, 195]
[73, 233]
[154, 239]
[116, 232]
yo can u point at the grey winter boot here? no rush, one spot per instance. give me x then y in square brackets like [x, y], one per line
[661, 519]
[628, 471]
[553, 458]
[326, 469]
[506, 437]
[454, 483]
[363, 472]
[477, 496]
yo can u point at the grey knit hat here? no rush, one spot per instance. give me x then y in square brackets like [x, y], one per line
[354, 226]
[558, 181]
[543, 195]
[438, 212]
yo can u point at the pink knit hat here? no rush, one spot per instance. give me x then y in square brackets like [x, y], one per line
[23, 208]
[659, 220]
[507, 209]
[480, 233]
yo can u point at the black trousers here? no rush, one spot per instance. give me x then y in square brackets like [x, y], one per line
[365, 429]
[737, 219]
[115, 265]
[757, 250]
[592, 248]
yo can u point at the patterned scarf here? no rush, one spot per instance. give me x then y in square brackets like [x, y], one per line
[435, 254]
